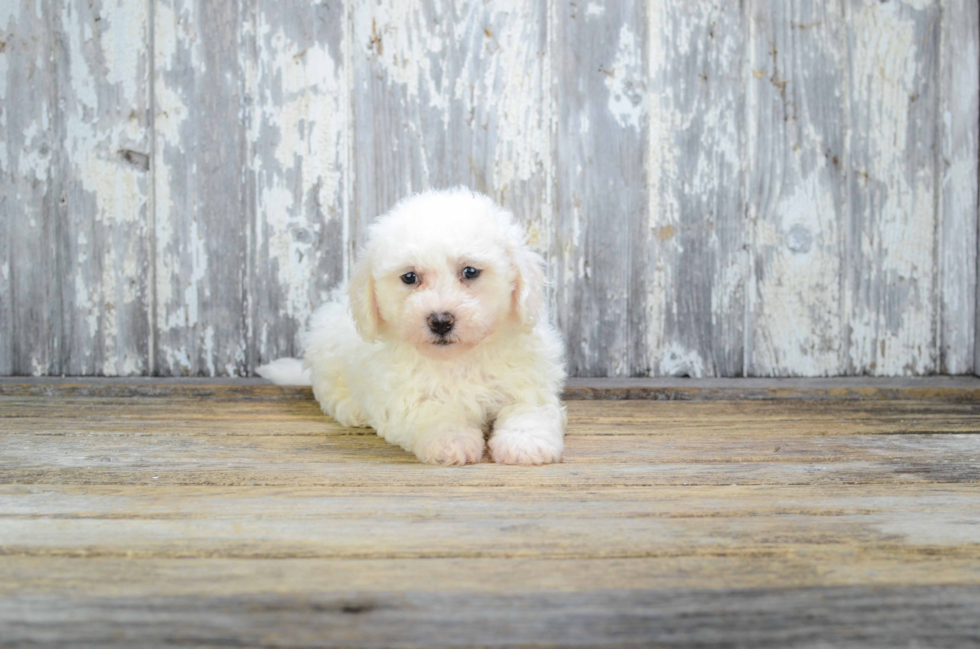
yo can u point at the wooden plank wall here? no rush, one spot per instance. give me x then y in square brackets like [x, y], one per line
[764, 188]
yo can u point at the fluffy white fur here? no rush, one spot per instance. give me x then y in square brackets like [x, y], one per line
[499, 371]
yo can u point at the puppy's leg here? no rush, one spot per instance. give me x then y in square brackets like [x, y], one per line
[450, 446]
[526, 434]
[437, 433]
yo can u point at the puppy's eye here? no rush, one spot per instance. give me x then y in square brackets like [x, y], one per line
[471, 273]
[410, 278]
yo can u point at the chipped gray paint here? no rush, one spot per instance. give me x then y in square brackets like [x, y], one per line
[890, 257]
[721, 189]
[600, 224]
[75, 208]
[696, 228]
[959, 115]
[298, 105]
[796, 203]
[202, 207]
[449, 93]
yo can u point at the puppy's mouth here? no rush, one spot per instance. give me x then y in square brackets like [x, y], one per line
[443, 342]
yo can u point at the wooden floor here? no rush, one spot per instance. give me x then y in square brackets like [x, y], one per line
[191, 514]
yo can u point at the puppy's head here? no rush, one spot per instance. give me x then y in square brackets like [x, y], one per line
[443, 271]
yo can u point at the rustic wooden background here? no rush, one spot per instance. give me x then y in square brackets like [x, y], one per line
[762, 188]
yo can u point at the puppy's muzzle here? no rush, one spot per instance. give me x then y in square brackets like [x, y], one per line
[441, 323]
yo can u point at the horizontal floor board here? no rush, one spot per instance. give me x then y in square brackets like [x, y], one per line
[468, 522]
[943, 388]
[202, 417]
[127, 451]
[76, 578]
[854, 616]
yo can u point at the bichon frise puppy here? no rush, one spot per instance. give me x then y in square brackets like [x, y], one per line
[449, 338]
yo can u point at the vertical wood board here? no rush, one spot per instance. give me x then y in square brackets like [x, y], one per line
[696, 276]
[795, 199]
[202, 211]
[102, 57]
[890, 284]
[30, 276]
[298, 111]
[601, 198]
[959, 119]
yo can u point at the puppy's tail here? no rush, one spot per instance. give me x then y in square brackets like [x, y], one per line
[286, 371]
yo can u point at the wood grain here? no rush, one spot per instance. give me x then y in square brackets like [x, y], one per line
[695, 269]
[601, 75]
[760, 189]
[936, 388]
[30, 193]
[960, 117]
[446, 94]
[796, 199]
[75, 254]
[843, 617]
[201, 203]
[890, 285]
[104, 105]
[221, 520]
[297, 137]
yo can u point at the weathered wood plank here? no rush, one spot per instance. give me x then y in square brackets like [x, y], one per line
[779, 617]
[795, 201]
[298, 137]
[497, 522]
[601, 224]
[198, 442]
[959, 117]
[103, 55]
[936, 388]
[891, 284]
[245, 448]
[450, 94]
[340, 463]
[31, 191]
[203, 211]
[135, 577]
[694, 279]
[8, 206]
[705, 420]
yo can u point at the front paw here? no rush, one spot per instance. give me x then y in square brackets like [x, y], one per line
[450, 449]
[528, 447]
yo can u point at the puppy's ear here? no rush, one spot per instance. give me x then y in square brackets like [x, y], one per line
[364, 300]
[528, 295]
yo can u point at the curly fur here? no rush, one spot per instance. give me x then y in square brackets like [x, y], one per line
[373, 360]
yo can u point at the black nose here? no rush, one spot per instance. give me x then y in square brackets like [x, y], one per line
[441, 323]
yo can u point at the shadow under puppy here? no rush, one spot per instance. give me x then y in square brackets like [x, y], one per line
[449, 339]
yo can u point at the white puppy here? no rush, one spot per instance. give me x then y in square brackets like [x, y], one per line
[449, 338]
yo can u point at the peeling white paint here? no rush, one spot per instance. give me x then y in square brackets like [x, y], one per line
[694, 158]
[799, 297]
[678, 361]
[299, 102]
[397, 36]
[35, 160]
[483, 79]
[889, 338]
[624, 79]
[795, 205]
[298, 135]
[101, 108]
[960, 107]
